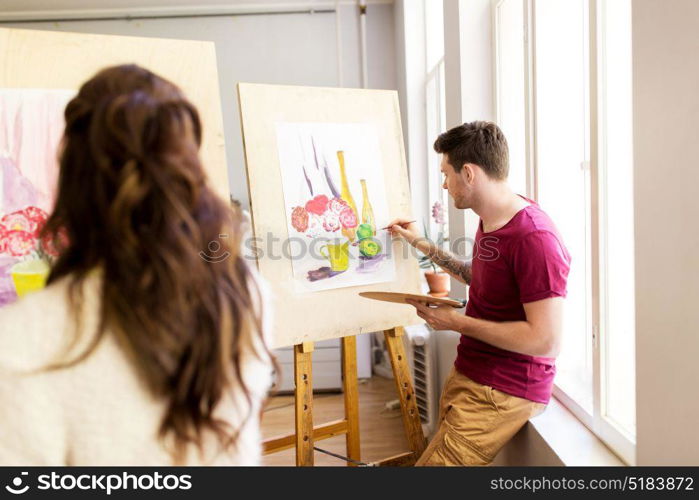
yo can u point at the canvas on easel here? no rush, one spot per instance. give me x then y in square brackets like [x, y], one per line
[326, 172]
[39, 72]
[31, 126]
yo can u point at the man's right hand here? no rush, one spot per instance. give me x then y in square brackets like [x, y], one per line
[408, 230]
[405, 229]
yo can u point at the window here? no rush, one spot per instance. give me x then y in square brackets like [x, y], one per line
[563, 98]
[511, 86]
[435, 107]
[618, 393]
[563, 174]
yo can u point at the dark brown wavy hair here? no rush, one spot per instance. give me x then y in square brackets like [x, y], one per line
[133, 201]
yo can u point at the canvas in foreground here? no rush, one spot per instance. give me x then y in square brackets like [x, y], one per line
[31, 126]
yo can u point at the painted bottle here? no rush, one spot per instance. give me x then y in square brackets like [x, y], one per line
[367, 211]
[346, 195]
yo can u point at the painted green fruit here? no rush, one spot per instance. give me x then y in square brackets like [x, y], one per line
[365, 231]
[369, 247]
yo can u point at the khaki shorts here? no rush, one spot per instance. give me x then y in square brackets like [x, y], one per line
[475, 423]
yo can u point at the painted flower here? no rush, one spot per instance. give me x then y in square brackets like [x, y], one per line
[438, 212]
[348, 218]
[36, 214]
[3, 239]
[29, 219]
[299, 219]
[18, 221]
[337, 205]
[315, 226]
[48, 244]
[19, 243]
[317, 205]
[331, 222]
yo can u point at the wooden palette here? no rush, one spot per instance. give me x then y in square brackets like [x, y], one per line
[399, 298]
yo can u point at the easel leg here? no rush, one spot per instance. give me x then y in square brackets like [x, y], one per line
[303, 380]
[349, 384]
[406, 393]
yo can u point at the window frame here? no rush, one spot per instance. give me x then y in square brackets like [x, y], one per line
[623, 444]
[434, 75]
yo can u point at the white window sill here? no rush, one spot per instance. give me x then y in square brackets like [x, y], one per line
[572, 442]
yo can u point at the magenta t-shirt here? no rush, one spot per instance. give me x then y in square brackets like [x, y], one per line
[523, 261]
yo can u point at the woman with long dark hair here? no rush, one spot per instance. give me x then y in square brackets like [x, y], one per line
[141, 350]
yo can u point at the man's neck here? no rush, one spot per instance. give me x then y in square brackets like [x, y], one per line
[498, 205]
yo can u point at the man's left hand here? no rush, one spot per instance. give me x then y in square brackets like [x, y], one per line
[440, 317]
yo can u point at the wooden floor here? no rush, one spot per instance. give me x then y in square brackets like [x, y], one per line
[381, 431]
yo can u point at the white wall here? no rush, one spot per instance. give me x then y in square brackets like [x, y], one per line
[666, 199]
[293, 49]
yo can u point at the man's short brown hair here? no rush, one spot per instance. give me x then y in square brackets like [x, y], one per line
[481, 143]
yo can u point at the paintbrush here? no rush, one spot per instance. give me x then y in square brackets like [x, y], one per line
[401, 225]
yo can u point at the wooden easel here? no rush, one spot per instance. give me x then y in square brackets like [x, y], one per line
[306, 433]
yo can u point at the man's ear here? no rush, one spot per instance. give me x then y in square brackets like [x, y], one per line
[468, 173]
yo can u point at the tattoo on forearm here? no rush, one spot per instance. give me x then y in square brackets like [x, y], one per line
[451, 264]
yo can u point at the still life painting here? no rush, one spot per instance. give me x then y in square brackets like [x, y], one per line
[31, 126]
[336, 207]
